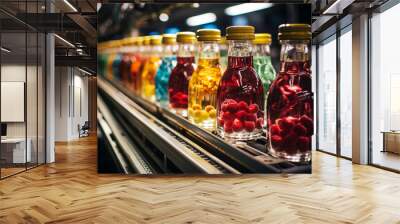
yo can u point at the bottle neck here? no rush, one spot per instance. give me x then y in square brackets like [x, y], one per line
[240, 53]
[208, 50]
[186, 50]
[170, 50]
[156, 50]
[261, 50]
[294, 51]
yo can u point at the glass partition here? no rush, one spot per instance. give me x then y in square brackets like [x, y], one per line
[327, 96]
[385, 89]
[346, 94]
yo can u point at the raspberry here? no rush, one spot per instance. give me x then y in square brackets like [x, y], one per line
[232, 107]
[227, 116]
[275, 130]
[304, 143]
[241, 114]
[285, 124]
[251, 117]
[249, 125]
[224, 107]
[253, 108]
[276, 140]
[300, 129]
[237, 125]
[228, 126]
[242, 105]
[308, 123]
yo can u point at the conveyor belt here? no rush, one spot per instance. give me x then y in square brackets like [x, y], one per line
[159, 123]
[185, 154]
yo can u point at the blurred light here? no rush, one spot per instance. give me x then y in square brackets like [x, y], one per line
[209, 26]
[246, 8]
[196, 5]
[5, 50]
[154, 33]
[201, 19]
[126, 6]
[240, 21]
[99, 6]
[70, 5]
[163, 17]
[65, 41]
[172, 30]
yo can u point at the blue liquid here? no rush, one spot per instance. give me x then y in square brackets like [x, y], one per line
[162, 79]
[116, 67]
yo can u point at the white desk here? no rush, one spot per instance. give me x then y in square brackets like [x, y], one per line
[18, 144]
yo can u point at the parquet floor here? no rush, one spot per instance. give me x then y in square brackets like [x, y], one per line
[70, 191]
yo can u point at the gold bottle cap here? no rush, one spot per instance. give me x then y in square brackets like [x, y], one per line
[223, 40]
[146, 40]
[208, 35]
[186, 37]
[139, 40]
[168, 38]
[294, 32]
[262, 38]
[155, 40]
[240, 33]
[129, 41]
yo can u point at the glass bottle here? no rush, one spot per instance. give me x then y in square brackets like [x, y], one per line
[145, 51]
[179, 80]
[204, 82]
[168, 62]
[116, 71]
[240, 91]
[262, 63]
[136, 65]
[150, 68]
[290, 99]
[223, 49]
[126, 60]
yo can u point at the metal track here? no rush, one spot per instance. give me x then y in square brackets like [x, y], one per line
[127, 149]
[184, 153]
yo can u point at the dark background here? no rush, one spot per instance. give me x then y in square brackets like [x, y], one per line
[119, 20]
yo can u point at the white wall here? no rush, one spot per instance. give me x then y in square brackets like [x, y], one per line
[71, 102]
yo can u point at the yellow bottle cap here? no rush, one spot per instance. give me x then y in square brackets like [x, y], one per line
[240, 33]
[155, 40]
[208, 35]
[146, 40]
[186, 37]
[168, 38]
[294, 32]
[262, 38]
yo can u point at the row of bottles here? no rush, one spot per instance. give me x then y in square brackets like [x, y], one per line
[231, 88]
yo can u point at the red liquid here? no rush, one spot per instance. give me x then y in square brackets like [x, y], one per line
[240, 101]
[290, 112]
[179, 83]
[125, 68]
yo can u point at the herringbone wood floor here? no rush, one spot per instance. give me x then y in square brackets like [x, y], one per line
[70, 191]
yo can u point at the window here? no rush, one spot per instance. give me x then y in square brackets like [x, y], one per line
[385, 89]
[346, 93]
[327, 96]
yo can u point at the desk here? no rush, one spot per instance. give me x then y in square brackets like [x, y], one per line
[391, 141]
[15, 148]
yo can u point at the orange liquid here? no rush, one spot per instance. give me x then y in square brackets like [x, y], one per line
[148, 74]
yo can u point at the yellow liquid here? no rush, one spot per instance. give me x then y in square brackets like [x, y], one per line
[110, 61]
[203, 87]
[148, 74]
